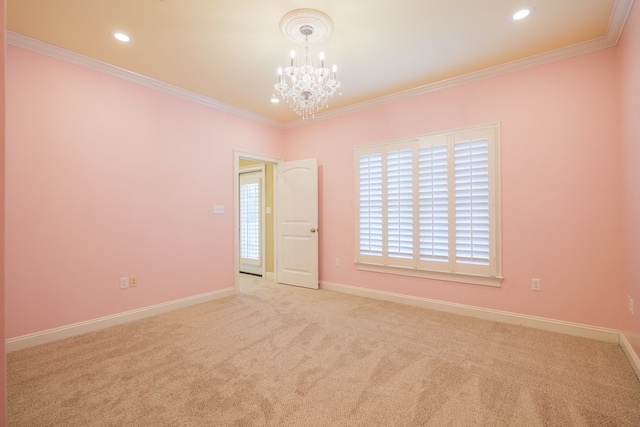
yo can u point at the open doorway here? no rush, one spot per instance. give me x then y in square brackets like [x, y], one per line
[293, 214]
[255, 209]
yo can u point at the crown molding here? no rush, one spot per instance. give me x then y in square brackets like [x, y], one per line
[102, 67]
[617, 21]
[619, 15]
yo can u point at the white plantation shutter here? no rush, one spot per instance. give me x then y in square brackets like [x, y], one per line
[434, 203]
[431, 206]
[370, 206]
[400, 204]
[472, 202]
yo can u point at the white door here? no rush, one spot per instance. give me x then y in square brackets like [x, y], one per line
[251, 223]
[298, 223]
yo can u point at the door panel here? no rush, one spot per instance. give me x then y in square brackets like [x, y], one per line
[298, 223]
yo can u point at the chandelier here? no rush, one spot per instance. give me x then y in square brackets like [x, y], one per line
[306, 87]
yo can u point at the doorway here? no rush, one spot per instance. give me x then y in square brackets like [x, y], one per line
[291, 248]
[254, 170]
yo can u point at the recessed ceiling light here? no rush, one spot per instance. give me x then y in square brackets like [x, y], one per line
[521, 14]
[122, 37]
[275, 100]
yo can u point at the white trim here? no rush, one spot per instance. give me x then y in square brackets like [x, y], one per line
[631, 354]
[619, 15]
[568, 328]
[55, 334]
[113, 71]
[429, 274]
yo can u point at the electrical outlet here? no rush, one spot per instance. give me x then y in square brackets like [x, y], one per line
[535, 284]
[133, 281]
[124, 282]
[630, 305]
[337, 262]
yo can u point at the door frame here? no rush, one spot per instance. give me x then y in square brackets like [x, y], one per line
[237, 155]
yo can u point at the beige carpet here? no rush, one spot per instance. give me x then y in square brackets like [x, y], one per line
[280, 355]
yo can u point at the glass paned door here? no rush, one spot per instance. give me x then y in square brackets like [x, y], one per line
[251, 223]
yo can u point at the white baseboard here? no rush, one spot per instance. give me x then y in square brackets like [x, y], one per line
[625, 343]
[55, 334]
[575, 329]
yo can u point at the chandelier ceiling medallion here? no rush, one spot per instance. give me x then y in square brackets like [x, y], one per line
[304, 86]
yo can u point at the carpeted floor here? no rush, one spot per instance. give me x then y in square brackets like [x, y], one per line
[280, 355]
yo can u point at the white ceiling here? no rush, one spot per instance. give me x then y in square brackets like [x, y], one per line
[229, 50]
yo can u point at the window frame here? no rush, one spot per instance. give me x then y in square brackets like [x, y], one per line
[491, 274]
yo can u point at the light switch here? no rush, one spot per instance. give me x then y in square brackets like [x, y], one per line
[218, 209]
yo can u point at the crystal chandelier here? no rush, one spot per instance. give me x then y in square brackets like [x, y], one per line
[304, 86]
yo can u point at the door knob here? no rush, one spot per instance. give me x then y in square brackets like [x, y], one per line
[313, 230]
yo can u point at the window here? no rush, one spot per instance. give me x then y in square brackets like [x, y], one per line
[429, 206]
[250, 216]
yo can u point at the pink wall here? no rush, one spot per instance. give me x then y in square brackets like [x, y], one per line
[629, 51]
[107, 179]
[3, 382]
[560, 192]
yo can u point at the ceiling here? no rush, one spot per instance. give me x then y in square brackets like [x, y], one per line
[229, 50]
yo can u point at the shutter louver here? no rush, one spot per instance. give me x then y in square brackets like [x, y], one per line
[472, 202]
[371, 204]
[434, 203]
[400, 204]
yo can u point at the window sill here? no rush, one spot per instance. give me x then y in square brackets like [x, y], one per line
[437, 275]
